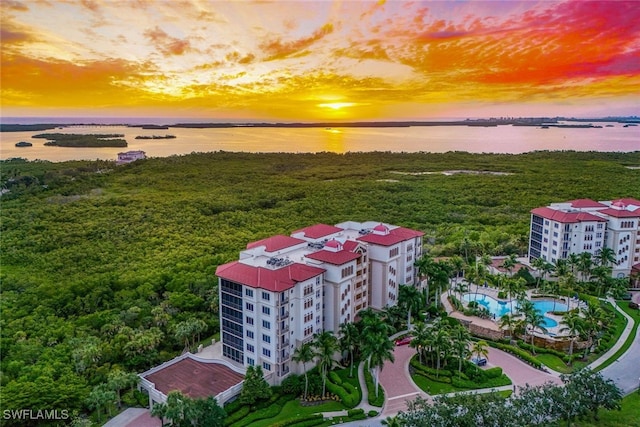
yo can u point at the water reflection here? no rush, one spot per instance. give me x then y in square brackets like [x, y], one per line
[334, 140]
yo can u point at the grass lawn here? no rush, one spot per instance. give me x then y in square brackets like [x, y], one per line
[635, 315]
[434, 387]
[629, 416]
[293, 409]
[554, 362]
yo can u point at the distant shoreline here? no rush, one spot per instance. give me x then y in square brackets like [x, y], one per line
[535, 121]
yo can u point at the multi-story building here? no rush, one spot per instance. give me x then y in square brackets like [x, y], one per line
[283, 289]
[585, 225]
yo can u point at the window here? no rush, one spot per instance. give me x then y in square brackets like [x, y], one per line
[266, 310]
[266, 296]
[598, 235]
[249, 306]
[308, 303]
[266, 352]
[248, 292]
[308, 331]
[266, 366]
[250, 361]
[249, 334]
[251, 348]
[555, 225]
[308, 289]
[249, 320]
[266, 338]
[347, 271]
[308, 317]
[266, 324]
[394, 252]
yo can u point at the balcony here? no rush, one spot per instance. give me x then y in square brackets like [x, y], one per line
[284, 330]
[282, 316]
[285, 344]
[284, 300]
[284, 358]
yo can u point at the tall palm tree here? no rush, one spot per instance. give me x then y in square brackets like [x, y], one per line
[573, 325]
[325, 345]
[460, 339]
[568, 284]
[441, 343]
[538, 264]
[410, 299]
[593, 321]
[349, 339]
[377, 355]
[480, 349]
[422, 338]
[304, 354]
[423, 266]
[508, 322]
[601, 276]
[536, 320]
[509, 263]
[585, 264]
[606, 257]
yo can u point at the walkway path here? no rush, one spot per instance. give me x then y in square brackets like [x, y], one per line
[625, 371]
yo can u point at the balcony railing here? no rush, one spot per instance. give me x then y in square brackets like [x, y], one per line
[284, 300]
[284, 329]
[284, 315]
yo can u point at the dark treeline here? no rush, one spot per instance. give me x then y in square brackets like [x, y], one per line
[105, 268]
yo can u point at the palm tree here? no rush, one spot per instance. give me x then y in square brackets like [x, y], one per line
[460, 344]
[441, 343]
[606, 257]
[574, 327]
[510, 262]
[568, 283]
[594, 318]
[573, 260]
[304, 354]
[410, 299]
[325, 344]
[377, 355]
[423, 266]
[349, 339]
[585, 264]
[601, 275]
[536, 320]
[422, 338]
[509, 322]
[480, 349]
[391, 422]
[513, 287]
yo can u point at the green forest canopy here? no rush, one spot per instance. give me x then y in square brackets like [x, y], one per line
[100, 263]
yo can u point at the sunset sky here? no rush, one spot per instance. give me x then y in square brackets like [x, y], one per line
[319, 60]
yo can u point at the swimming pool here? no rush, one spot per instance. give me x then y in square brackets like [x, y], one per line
[500, 308]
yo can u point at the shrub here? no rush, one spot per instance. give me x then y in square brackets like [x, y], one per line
[335, 378]
[293, 384]
[352, 412]
[237, 415]
[495, 372]
[348, 399]
[502, 295]
[372, 413]
[298, 422]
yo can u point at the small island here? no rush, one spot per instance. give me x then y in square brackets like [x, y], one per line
[82, 140]
[155, 137]
[23, 144]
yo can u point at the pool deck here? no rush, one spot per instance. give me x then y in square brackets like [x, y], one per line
[491, 324]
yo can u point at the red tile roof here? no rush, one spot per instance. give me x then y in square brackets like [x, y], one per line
[278, 280]
[395, 235]
[586, 203]
[383, 240]
[566, 217]
[628, 201]
[617, 213]
[276, 243]
[318, 230]
[194, 378]
[335, 258]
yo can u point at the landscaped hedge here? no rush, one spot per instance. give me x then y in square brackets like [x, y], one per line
[237, 415]
[301, 421]
[356, 414]
[348, 397]
[541, 350]
[495, 372]
[518, 352]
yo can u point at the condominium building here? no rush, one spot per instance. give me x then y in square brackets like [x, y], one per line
[585, 225]
[283, 289]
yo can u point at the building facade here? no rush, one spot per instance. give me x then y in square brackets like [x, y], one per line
[585, 225]
[284, 289]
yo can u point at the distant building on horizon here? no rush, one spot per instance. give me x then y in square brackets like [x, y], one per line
[130, 156]
[584, 225]
[284, 289]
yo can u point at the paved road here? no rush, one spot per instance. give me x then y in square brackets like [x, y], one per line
[625, 372]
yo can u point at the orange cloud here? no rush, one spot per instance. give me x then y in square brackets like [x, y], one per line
[278, 49]
[166, 44]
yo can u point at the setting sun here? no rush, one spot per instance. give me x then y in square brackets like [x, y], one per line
[337, 105]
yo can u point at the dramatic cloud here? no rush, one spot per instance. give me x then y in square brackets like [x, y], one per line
[370, 60]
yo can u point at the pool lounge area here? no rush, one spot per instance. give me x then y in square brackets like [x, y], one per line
[498, 308]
